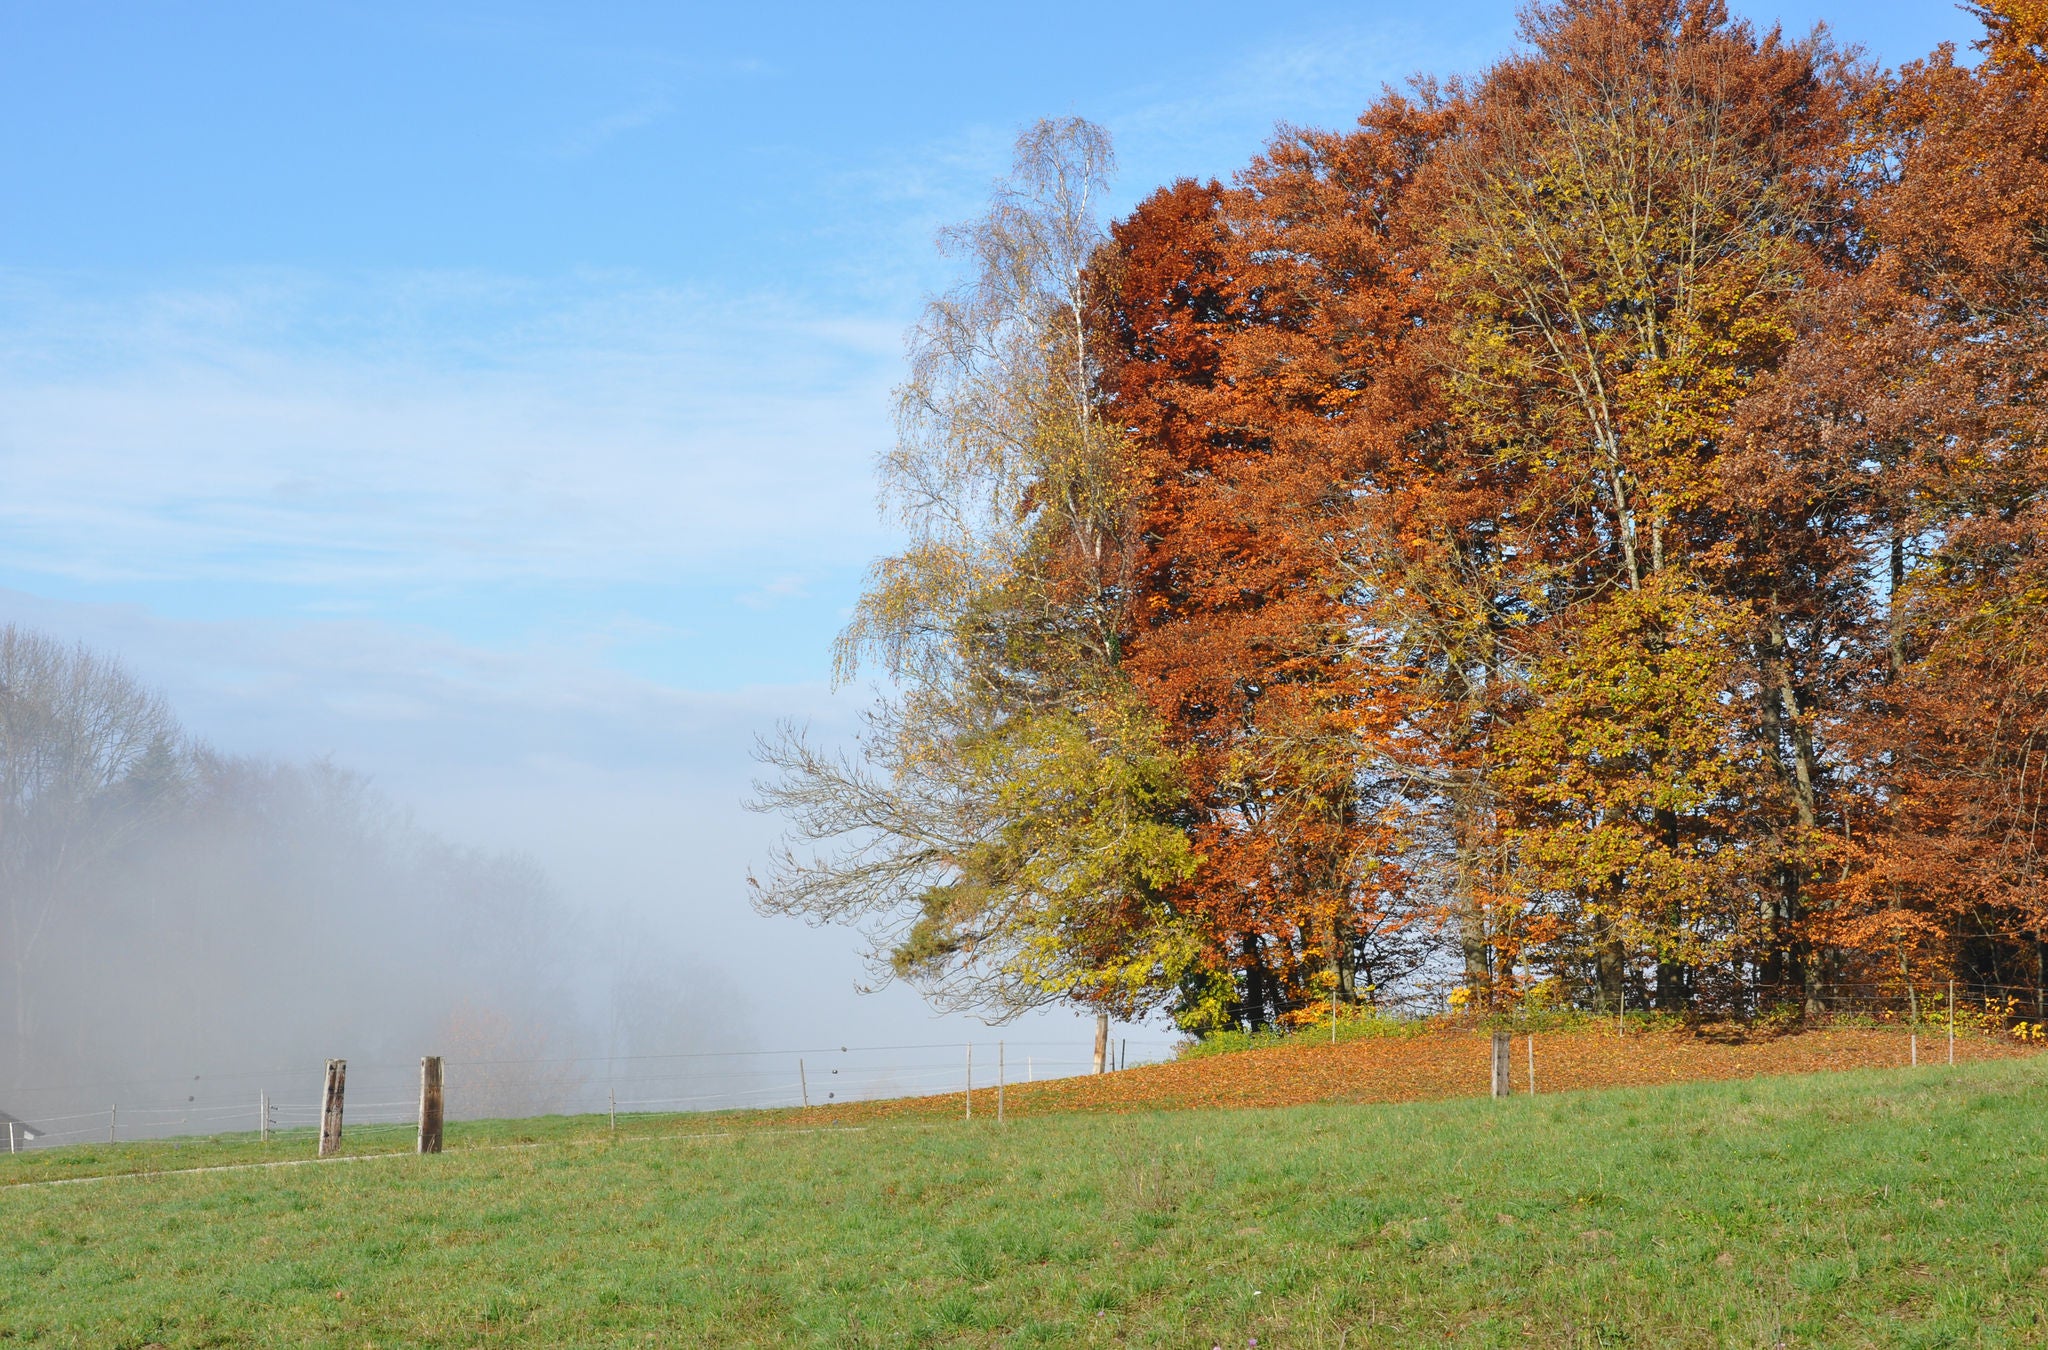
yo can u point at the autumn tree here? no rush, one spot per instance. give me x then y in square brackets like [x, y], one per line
[1953, 865]
[1626, 214]
[1252, 329]
[1575, 534]
[88, 756]
[1006, 831]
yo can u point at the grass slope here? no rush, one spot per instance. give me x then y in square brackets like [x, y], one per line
[1867, 1208]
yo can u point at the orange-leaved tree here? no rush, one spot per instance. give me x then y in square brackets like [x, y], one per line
[1623, 221]
[1252, 330]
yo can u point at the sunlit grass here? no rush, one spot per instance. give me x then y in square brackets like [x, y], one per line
[1875, 1208]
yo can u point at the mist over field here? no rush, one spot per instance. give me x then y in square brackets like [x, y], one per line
[188, 929]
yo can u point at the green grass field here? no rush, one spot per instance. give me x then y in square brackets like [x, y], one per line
[1881, 1208]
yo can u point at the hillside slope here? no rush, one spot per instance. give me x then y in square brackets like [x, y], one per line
[1898, 1208]
[1436, 1064]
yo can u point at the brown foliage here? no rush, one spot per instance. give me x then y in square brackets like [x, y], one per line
[1578, 534]
[1593, 511]
[1952, 861]
[1252, 328]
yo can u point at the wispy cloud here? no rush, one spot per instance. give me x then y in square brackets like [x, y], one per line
[285, 426]
[773, 593]
[1166, 131]
[592, 136]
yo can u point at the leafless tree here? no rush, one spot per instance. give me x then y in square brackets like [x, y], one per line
[87, 755]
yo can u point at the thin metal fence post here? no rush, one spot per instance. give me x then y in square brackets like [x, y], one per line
[611, 1096]
[10, 1138]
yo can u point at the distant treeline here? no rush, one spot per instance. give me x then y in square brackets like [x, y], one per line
[171, 911]
[1578, 535]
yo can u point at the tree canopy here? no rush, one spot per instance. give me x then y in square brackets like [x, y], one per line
[1575, 536]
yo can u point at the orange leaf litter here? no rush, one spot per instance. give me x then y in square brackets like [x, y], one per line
[1428, 1067]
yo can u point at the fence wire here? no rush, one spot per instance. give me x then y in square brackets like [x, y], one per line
[383, 1094]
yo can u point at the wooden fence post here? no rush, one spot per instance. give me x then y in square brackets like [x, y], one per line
[263, 1117]
[1532, 1064]
[1502, 1050]
[430, 1104]
[1101, 1042]
[803, 1085]
[330, 1107]
[111, 1118]
[1002, 1076]
[970, 1080]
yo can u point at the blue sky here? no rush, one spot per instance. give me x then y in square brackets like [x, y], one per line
[486, 395]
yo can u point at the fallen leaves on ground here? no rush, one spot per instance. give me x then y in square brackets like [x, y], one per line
[1439, 1064]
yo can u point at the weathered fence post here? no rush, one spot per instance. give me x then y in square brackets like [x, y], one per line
[10, 1138]
[1503, 1047]
[430, 1104]
[611, 1096]
[1101, 1042]
[111, 1117]
[330, 1107]
[803, 1085]
[263, 1117]
[1001, 1079]
[1951, 1021]
[970, 1080]
[1532, 1064]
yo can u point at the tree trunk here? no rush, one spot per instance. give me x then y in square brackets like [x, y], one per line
[1674, 978]
[1787, 964]
[1895, 627]
[1256, 993]
[1673, 992]
[1609, 964]
[1475, 943]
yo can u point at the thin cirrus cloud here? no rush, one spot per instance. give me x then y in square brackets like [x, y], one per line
[594, 135]
[326, 432]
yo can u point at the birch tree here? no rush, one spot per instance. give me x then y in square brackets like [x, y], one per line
[1003, 831]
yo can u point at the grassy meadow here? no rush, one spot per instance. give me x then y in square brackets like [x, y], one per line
[1898, 1207]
